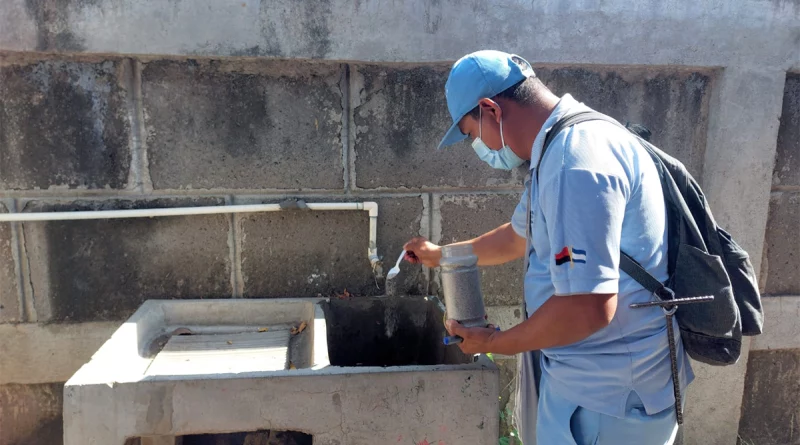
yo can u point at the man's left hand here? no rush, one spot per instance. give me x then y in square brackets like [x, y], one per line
[476, 340]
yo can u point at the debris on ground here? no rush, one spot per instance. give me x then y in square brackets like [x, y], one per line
[298, 329]
[344, 295]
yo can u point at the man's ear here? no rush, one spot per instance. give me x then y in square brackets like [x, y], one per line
[490, 109]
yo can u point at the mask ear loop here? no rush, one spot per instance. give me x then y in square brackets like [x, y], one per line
[502, 140]
[480, 122]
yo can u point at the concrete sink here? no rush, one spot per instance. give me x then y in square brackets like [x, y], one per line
[346, 372]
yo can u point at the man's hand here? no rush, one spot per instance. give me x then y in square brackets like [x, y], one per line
[420, 250]
[476, 340]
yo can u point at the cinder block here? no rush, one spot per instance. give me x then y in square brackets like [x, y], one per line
[672, 103]
[305, 253]
[31, 414]
[787, 159]
[771, 401]
[65, 124]
[505, 317]
[9, 299]
[104, 269]
[781, 329]
[399, 220]
[243, 125]
[44, 353]
[400, 114]
[467, 216]
[782, 245]
[399, 117]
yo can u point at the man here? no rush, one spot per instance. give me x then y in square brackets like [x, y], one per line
[606, 376]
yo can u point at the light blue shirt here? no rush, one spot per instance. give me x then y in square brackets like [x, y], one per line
[599, 192]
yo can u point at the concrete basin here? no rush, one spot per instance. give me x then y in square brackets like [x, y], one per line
[346, 372]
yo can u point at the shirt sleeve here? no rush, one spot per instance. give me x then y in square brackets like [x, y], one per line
[583, 211]
[519, 218]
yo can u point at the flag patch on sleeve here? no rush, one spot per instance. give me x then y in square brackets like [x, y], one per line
[570, 255]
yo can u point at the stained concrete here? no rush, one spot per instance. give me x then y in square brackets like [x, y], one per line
[746, 105]
[781, 329]
[249, 438]
[740, 155]
[453, 399]
[243, 125]
[466, 216]
[748, 44]
[505, 317]
[769, 412]
[782, 244]
[757, 32]
[104, 269]
[18, 25]
[306, 253]
[262, 437]
[31, 414]
[399, 219]
[65, 124]
[787, 159]
[9, 283]
[399, 117]
[44, 353]
[387, 332]
[672, 103]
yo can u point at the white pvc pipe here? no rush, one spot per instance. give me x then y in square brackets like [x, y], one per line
[371, 207]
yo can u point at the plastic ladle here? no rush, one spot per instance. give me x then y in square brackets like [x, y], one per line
[396, 269]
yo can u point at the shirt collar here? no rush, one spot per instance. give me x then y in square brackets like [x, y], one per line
[565, 106]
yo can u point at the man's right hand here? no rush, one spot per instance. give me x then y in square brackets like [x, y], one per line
[420, 250]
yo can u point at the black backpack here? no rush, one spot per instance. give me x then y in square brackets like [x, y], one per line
[712, 288]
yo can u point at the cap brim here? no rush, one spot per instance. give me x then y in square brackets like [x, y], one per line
[452, 136]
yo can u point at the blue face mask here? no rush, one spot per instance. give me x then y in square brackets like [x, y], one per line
[503, 159]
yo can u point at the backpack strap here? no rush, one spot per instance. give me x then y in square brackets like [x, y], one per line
[568, 121]
[626, 263]
[664, 296]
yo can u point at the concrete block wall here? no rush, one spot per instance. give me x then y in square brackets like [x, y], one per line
[130, 104]
[772, 385]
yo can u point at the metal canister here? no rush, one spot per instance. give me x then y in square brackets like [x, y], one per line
[461, 284]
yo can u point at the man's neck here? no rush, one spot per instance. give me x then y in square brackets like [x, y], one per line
[535, 116]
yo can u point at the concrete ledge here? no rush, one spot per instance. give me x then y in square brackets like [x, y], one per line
[781, 326]
[33, 353]
[675, 32]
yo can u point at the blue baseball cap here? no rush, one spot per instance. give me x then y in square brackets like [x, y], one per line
[476, 76]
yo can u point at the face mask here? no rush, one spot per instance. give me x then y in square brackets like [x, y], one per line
[503, 159]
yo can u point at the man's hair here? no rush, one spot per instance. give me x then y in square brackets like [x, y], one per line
[523, 92]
